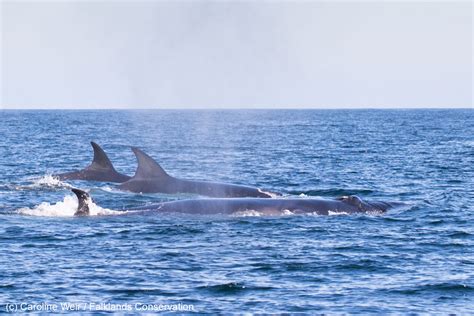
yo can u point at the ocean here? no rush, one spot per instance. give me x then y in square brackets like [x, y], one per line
[416, 259]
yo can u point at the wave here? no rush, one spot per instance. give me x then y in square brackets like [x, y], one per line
[234, 287]
[446, 287]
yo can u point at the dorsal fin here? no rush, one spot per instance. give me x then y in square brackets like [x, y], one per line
[83, 199]
[147, 167]
[101, 161]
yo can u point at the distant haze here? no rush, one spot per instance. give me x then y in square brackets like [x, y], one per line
[236, 54]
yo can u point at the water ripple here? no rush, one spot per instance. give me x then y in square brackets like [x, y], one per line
[414, 260]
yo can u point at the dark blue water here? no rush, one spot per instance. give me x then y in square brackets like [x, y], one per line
[416, 259]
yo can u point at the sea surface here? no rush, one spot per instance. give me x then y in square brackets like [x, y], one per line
[417, 259]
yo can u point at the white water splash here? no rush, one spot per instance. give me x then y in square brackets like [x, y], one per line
[331, 213]
[255, 213]
[46, 181]
[65, 208]
[272, 195]
[109, 189]
[247, 213]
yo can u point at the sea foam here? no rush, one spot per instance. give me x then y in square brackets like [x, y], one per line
[46, 181]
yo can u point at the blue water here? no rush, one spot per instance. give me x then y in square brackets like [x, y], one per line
[416, 259]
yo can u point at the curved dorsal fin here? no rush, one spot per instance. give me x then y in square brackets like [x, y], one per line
[101, 161]
[147, 167]
[83, 199]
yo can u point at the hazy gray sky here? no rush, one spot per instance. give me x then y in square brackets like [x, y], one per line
[239, 54]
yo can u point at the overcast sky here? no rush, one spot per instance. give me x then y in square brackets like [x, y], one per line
[236, 54]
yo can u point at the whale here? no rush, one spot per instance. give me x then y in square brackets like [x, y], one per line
[101, 169]
[150, 177]
[228, 206]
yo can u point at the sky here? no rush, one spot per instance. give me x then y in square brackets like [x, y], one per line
[236, 54]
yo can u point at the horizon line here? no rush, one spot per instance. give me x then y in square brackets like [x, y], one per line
[236, 108]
